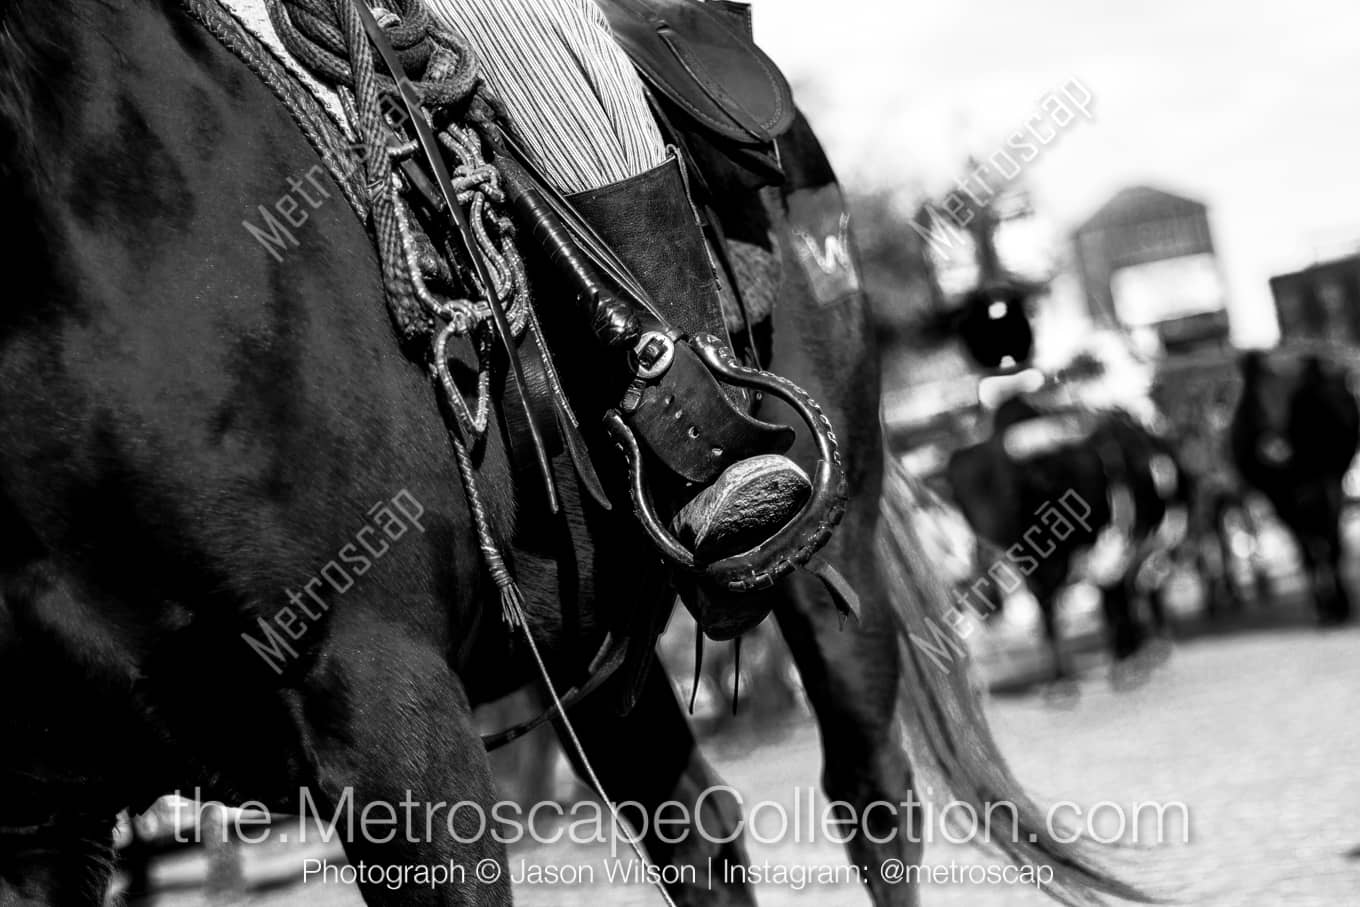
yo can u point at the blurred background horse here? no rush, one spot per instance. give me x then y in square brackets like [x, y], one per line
[1072, 494]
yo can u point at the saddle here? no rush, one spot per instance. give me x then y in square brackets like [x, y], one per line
[716, 95]
[701, 58]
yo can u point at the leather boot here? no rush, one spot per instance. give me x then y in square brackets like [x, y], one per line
[728, 485]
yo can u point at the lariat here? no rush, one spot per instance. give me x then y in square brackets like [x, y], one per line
[328, 37]
[325, 36]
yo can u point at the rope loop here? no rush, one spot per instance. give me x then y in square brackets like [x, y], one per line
[329, 39]
[439, 64]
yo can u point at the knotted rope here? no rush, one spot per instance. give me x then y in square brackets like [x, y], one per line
[328, 37]
[320, 33]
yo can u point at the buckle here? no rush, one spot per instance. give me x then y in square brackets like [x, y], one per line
[653, 355]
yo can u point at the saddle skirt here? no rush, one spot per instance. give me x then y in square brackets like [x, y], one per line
[700, 56]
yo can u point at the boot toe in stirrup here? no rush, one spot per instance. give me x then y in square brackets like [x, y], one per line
[751, 501]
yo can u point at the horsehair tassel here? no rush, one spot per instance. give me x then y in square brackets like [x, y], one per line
[512, 599]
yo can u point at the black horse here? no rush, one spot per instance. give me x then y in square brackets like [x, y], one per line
[1049, 488]
[193, 429]
[1293, 436]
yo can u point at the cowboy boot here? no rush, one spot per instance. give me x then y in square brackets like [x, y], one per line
[710, 485]
[729, 486]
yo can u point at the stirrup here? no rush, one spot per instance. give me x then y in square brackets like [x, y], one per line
[792, 545]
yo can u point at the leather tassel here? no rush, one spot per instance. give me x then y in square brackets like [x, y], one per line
[698, 666]
[511, 598]
[512, 601]
[568, 427]
[843, 594]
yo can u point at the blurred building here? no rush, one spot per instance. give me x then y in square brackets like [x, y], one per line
[1146, 261]
[1320, 303]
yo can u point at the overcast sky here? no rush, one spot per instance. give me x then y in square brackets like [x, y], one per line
[1250, 106]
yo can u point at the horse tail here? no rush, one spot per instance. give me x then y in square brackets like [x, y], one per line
[948, 732]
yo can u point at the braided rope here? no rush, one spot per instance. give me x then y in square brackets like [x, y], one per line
[320, 33]
[328, 38]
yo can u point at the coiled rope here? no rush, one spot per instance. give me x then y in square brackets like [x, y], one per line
[321, 33]
[329, 39]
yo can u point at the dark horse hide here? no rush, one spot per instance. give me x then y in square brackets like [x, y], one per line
[196, 434]
[1293, 437]
[1051, 488]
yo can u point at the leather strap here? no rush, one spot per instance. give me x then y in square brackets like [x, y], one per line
[607, 661]
[691, 425]
[553, 417]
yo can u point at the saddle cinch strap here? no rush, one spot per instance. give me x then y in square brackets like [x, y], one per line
[708, 481]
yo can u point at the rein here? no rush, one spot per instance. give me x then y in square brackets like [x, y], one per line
[603, 666]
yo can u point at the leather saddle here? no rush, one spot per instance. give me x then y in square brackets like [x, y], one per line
[700, 57]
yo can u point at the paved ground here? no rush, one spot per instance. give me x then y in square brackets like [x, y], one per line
[1255, 732]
